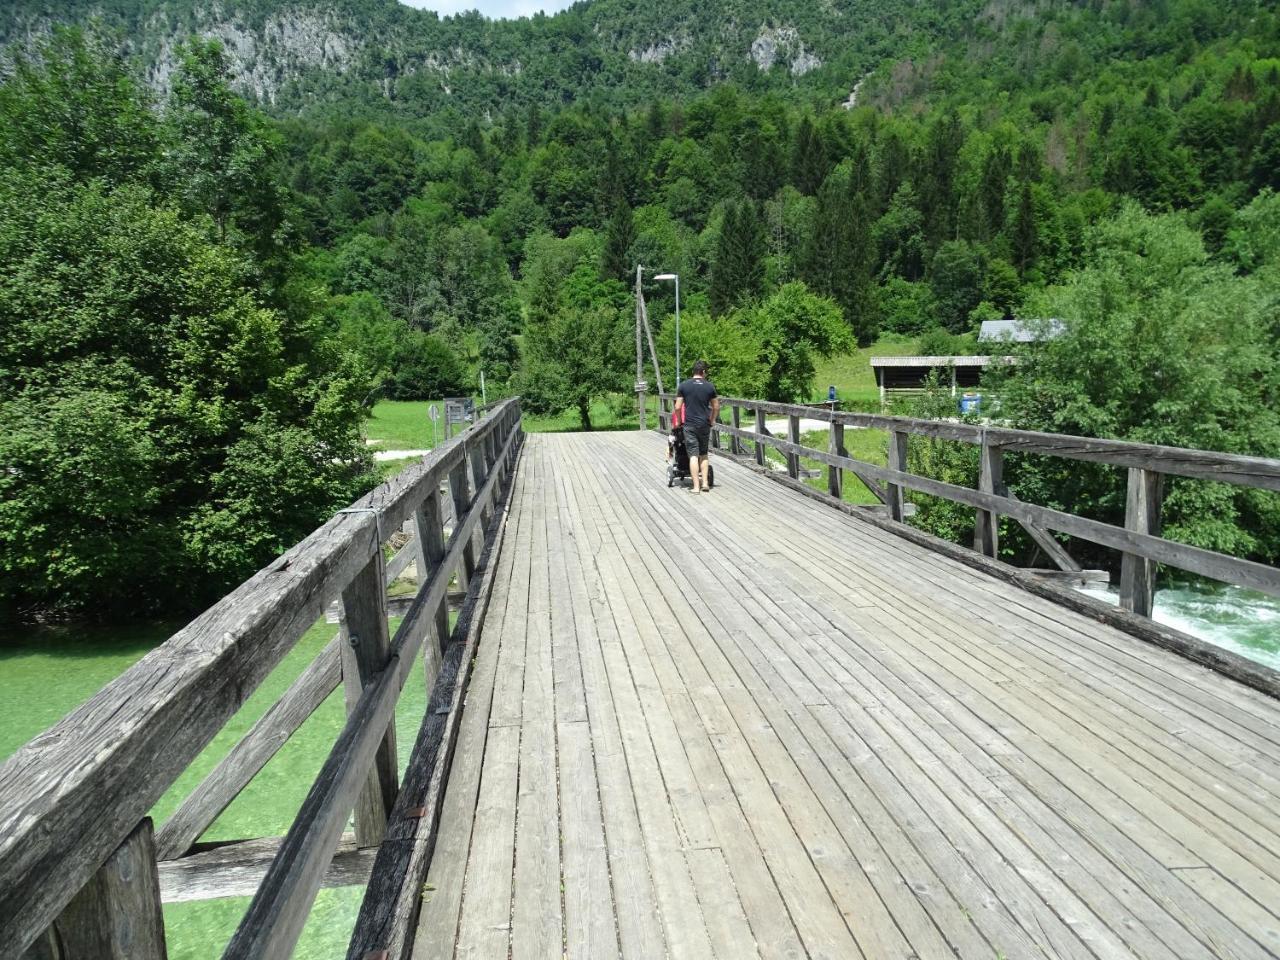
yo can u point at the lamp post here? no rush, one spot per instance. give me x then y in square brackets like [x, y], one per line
[676, 278]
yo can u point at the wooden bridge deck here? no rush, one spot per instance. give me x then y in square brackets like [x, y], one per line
[743, 723]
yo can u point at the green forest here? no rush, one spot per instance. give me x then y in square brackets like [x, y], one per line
[204, 290]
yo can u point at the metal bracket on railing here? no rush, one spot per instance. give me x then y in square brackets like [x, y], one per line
[377, 518]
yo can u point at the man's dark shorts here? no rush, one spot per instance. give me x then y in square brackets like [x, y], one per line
[697, 439]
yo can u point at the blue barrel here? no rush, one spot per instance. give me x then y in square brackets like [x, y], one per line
[971, 403]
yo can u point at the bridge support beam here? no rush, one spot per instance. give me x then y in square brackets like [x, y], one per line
[1141, 515]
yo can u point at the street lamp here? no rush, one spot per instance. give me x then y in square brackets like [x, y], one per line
[676, 278]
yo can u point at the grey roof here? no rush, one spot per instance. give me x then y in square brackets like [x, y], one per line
[1019, 331]
[939, 361]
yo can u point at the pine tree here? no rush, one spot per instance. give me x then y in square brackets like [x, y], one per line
[809, 160]
[737, 270]
[1024, 231]
[620, 234]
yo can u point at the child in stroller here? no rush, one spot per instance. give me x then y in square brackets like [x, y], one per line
[678, 454]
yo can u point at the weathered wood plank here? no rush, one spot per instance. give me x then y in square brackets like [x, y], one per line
[428, 521]
[793, 434]
[835, 443]
[897, 464]
[1141, 515]
[986, 534]
[365, 645]
[116, 915]
[235, 868]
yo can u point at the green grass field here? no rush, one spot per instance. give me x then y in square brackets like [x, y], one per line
[870, 446]
[852, 377]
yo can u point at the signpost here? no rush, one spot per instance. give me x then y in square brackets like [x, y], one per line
[433, 412]
[460, 411]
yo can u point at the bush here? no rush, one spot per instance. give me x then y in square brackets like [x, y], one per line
[426, 367]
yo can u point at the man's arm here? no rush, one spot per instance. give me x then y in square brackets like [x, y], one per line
[715, 409]
[679, 401]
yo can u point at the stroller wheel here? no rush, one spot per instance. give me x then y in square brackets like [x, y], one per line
[711, 476]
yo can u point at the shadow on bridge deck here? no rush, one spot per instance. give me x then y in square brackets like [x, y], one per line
[742, 723]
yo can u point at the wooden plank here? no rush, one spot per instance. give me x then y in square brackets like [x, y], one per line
[793, 434]
[589, 924]
[986, 534]
[484, 927]
[442, 897]
[389, 911]
[274, 920]
[235, 868]
[636, 908]
[264, 739]
[56, 824]
[735, 444]
[835, 443]
[897, 464]
[761, 430]
[428, 522]
[116, 915]
[365, 645]
[1141, 515]
[536, 921]
[460, 496]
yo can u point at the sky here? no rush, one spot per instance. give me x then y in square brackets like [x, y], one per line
[491, 8]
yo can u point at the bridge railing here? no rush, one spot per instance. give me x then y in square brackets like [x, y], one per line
[78, 855]
[1139, 540]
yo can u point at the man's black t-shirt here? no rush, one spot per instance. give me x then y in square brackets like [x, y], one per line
[698, 395]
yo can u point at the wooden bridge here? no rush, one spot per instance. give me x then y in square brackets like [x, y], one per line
[758, 721]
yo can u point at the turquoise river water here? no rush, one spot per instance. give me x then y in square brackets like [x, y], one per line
[46, 672]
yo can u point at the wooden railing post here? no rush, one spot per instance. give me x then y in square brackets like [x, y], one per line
[1141, 515]
[793, 436]
[460, 497]
[366, 648]
[835, 446]
[715, 434]
[986, 533]
[761, 430]
[735, 444]
[116, 915]
[428, 522]
[897, 461]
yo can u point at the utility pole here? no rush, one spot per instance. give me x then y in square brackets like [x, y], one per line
[641, 386]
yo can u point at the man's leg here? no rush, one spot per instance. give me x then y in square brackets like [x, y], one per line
[695, 471]
[704, 464]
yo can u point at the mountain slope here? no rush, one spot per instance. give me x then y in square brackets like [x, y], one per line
[390, 57]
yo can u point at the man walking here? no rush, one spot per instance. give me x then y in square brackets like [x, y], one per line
[701, 406]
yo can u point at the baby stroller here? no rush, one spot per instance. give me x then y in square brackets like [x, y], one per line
[678, 454]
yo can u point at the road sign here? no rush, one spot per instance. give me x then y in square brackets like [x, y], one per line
[433, 412]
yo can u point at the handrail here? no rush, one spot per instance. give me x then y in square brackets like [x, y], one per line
[1259, 472]
[1139, 540]
[75, 794]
